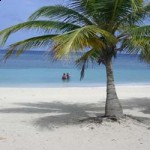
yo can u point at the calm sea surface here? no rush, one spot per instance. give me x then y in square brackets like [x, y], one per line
[36, 69]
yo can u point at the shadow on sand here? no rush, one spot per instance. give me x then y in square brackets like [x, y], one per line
[142, 105]
[57, 114]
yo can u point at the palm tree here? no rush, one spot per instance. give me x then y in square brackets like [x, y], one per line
[98, 29]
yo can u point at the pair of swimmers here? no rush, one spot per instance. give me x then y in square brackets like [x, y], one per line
[65, 76]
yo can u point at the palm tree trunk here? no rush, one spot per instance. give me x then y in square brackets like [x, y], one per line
[113, 107]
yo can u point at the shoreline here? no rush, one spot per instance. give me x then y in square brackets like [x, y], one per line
[65, 85]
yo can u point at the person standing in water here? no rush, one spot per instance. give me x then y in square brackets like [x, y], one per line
[68, 76]
[64, 77]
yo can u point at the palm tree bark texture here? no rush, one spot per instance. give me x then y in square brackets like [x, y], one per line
[113, 107]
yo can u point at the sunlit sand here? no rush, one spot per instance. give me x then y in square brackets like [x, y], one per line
[48, 118]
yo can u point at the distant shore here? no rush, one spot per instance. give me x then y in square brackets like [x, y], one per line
[48, 118]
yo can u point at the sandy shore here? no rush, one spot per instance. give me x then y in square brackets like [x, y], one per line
[48, 118]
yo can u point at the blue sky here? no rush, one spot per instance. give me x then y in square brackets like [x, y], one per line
[16, 11]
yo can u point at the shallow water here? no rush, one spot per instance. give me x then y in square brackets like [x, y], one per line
[36, 69]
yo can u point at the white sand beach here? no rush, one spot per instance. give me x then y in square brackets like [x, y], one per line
[48, 119]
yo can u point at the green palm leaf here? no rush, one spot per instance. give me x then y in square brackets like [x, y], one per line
[60, 12]
[45, 26]
[145, 55]
[90, 56]
[110, 15]
[85, 37]
[40, 41]
[138, 40]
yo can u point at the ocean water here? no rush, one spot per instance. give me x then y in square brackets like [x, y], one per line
[36, 69]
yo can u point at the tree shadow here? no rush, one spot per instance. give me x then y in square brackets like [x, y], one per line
[142, 105]
[57, 114]
[138, 103]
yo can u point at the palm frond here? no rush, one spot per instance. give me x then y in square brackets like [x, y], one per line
[129, 13]
[59, 12]
[146, 11]
[140, 31]
[138, 42]
[135, 17]
[145, 55]
[134, 31]
[136, 4]
[85, 37]
[40, 42]
[82, 62]
[45, 26]
[108, 14]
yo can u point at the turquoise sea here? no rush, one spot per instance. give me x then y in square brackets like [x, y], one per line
[35, 69]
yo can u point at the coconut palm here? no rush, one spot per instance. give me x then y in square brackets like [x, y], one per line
[95, 29]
